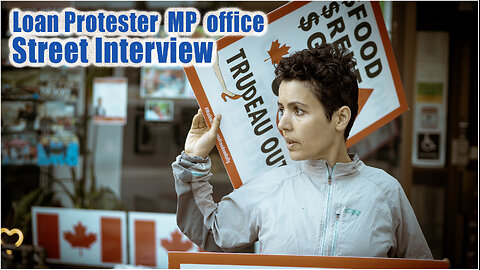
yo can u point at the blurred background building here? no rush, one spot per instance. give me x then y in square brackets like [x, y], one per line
[59, 149]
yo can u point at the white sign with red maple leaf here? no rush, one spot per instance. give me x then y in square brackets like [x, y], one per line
[81, 236]
[152, 235]
[241, 84]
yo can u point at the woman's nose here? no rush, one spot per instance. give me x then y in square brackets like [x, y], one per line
[284, 122]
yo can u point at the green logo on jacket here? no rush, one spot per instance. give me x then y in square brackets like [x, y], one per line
[353, 212]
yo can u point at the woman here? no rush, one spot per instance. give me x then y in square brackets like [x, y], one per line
[332, 204]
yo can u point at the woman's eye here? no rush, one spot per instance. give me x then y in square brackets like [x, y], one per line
[280, 112]
[298, 111]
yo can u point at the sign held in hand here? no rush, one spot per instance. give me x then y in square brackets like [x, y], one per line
[241, 84]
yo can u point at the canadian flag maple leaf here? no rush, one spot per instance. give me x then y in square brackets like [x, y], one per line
[79, 238]
[176, 243]
[276, 52]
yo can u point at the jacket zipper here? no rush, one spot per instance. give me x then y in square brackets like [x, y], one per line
[334, 245]
[327, 210]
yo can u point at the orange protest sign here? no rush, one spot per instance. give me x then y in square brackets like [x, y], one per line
[241, 84]
[177, 260]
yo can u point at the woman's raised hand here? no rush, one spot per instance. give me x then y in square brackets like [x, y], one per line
[200, 139]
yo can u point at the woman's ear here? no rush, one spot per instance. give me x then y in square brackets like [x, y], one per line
[344, 114]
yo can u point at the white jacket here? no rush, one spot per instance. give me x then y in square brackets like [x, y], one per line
[362, 211]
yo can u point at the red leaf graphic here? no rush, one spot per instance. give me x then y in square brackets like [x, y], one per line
[80, 239]
[176, 243]
[276, 52]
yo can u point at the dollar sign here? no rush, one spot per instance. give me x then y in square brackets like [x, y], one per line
[328, 12]
[307, 25]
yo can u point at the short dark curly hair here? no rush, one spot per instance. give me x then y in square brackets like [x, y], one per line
[330, 70]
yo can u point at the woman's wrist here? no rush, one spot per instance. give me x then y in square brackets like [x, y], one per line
[195, 155]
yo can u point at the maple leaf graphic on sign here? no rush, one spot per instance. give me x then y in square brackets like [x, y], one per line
[176, 243]
[276, 52]
[79, 238]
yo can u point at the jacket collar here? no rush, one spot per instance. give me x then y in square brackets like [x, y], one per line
[317, 166]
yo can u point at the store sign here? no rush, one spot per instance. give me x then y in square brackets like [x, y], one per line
[241, 86]
[152, 236]
[79, 236]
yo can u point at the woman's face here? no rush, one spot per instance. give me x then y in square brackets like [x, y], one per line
[306, 129]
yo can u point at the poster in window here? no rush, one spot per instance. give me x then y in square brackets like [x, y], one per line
[110, 100]
[159, 110]
[430, 100]
[167, 82]
[160, 82]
